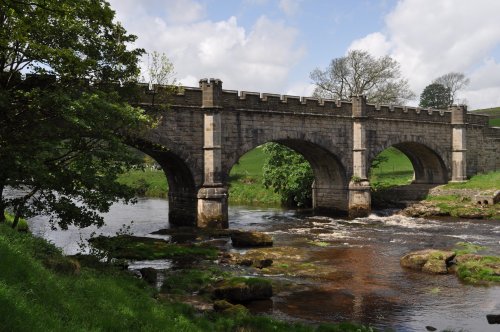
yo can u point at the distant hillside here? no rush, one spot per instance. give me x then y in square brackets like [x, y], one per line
[493, 113]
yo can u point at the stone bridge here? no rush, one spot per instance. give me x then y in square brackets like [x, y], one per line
[204, 131]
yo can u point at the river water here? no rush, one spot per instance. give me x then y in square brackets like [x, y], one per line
[365, 282]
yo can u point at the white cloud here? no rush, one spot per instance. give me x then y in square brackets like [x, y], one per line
[184, 11]
[258, 59]
[300, 89]
[430, 38]
[376, 43]
[289, 7]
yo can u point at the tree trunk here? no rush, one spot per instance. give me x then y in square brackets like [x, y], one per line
[16, 221]
[2, 205]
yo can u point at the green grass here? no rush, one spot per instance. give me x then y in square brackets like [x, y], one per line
[35, 298]
[149, 183]
[463, 248]
[22, 225]
[246, 181]
[458, 206]
[480, 270]
[397, 170]
[482, 181]
[187, 281]
[493, 113]
[494, 122]
[143, 248]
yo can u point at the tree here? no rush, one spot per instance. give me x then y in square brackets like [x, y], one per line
[453, 82]
[160, 69]
[435, 96]
[359, 73]
[289, 174]
[63, 128]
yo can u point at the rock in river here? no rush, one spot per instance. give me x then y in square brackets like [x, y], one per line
[251, 239]
[239, 289]
[429, 260]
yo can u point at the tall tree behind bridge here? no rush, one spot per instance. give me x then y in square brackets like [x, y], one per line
[435, 96]
[359, 73]
[62, 131]
[453, 82]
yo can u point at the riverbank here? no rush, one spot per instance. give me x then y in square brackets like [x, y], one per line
[478, 198]
[42, 290]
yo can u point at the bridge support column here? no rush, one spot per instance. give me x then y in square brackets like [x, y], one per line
[459, 144]
[212, 196]
[181, 208]
[359, 186]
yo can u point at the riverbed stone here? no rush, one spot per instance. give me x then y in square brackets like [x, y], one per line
[149, 275]
[493, 319]
[467, 257]
[263, 263]
[423, 209]
[240, 290]
[228, 308]
[428, 260]
[251, 239]
[435, 266]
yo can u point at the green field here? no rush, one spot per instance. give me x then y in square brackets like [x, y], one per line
[246, 186]
[493, 113]
[149, 182]
[397, 170]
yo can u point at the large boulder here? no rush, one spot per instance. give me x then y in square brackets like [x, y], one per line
[429, 260]
[149, 274]
[493, 319]
[240, 290]
[251, 239]
[435, 266]
[230, 309]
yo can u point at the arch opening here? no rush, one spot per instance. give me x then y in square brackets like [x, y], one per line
[406, 172]
[180, 184]
[327, 190]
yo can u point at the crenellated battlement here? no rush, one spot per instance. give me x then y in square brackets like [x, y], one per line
[268, 102]
[210, 94]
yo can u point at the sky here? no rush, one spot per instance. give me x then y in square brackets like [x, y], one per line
[271, 46]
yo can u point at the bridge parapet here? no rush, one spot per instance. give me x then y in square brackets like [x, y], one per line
[408, 113]
[256, 101]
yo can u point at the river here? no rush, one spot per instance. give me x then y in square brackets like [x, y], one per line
[365, 283]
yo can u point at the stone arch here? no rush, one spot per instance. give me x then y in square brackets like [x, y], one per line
[182, 188]
[330, 188]
[427, 160]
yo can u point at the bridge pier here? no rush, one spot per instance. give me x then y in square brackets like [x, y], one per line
[359, 186]
[181, 208]
[459, 143]
[212, 196]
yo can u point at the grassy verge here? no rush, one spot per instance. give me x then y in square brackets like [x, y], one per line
[461, 205]
[22, 225]
[484, 181]
[36, 296]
